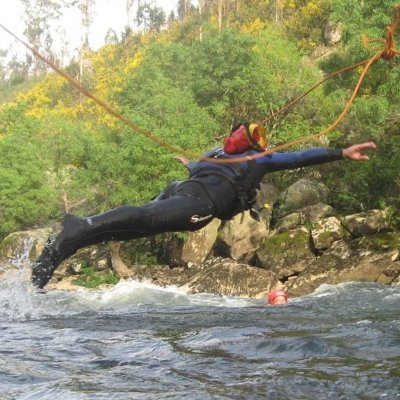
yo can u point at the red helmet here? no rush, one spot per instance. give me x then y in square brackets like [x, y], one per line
[276, 293]
[245, 137]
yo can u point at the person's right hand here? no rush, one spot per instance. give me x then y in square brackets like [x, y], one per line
[355, 152]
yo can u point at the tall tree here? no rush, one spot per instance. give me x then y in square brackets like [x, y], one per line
[86, 10]
[3, 68]
[38, 15]
[306, 20]
[128, 13]
[184, 8]
[150, 17]
[220, 6]
[111, 37]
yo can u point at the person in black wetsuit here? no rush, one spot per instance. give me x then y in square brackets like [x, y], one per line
[213, 190]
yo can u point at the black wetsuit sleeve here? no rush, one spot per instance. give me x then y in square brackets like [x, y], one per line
[293, 160]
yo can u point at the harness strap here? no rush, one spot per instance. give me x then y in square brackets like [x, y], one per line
[245, 193]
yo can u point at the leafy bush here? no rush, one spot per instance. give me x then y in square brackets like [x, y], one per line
[90, 278]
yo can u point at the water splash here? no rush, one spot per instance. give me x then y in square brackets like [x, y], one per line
[16, 291]
[128, 295]
[20, 302]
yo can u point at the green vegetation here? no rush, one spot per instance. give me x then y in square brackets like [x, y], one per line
[60, 152]
[90, 278]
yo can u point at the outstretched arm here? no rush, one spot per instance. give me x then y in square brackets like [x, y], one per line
[355, 152]
[297, 159]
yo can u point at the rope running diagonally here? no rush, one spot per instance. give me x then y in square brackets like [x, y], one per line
[100, 102]
[387, 53]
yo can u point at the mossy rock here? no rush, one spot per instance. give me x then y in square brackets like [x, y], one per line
[17, 243]
[286, 253]
[326, 231]
[379, 242]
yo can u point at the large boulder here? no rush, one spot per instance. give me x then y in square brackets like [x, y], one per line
[316, 211]
[371, 259]
[97, 257]
[199, 244]
[265, 199]
[163, 275]
[22, 248]
[19, 250]
[367, 223]
[306, 215]
[242, 235]
[287, 253]
[219, 276]
[303, 193]
[391, 274]
[332, 34]
[228, 278]
[326, 231]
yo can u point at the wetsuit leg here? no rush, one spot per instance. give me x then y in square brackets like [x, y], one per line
[177, 213]
[188, 209]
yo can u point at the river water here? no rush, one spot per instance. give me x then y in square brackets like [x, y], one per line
[138, 341]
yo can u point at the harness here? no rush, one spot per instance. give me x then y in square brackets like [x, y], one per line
[245, 179]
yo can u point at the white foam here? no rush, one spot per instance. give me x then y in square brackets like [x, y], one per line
[16, 301]
[129, 293]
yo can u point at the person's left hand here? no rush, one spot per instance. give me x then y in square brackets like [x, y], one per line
[355, 152]
[182, 160]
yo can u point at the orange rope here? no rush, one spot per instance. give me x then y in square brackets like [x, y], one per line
[297, 99]
[102, 103]
[338, 120]
[388, 53]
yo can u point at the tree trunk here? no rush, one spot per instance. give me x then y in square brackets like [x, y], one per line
[86, 19]
[220, 8]
[277, 11]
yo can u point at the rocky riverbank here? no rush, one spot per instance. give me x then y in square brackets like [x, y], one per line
[306, 245]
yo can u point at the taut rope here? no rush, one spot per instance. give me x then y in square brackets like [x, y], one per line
[387, 53]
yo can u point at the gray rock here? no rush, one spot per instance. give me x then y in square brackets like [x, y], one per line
[365, 260]
[199, 244]
[287, 253]
[242, 235]
[266, 198]
[367, 223]
[18, 243]
[332, 34]
[302, 193]
[306, 215]
[326, 231]
[317, 211]
[232, 279]
[390, 275]
[289, 222]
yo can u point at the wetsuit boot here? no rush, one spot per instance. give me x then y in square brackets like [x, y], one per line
[56, 250]
[117, 224]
